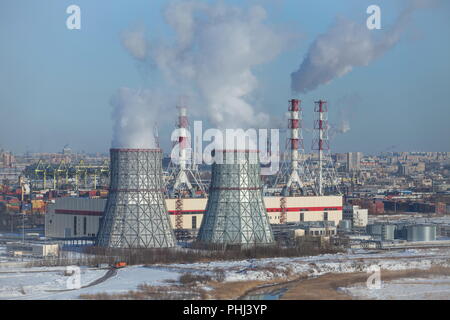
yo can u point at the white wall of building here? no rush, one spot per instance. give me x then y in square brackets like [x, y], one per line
[358, 216]
[68, 214]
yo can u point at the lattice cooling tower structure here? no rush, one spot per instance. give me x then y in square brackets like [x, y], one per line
[136, 214]
[235, 212]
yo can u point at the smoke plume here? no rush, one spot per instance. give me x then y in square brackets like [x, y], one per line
[135, 42]
[347, 107]
[134, 115]
[347, 45]
[212, 56]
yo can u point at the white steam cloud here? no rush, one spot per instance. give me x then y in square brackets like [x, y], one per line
[216, 46]
[135, 42]
[134, 114]
[347, 45]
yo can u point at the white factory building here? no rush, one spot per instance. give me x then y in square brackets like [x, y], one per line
[73, 217]
[359, 217]
[79, 217]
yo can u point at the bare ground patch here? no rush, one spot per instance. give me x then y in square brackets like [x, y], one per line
[326, 287]
[299, 286]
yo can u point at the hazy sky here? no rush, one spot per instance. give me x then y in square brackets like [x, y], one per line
[56, 84]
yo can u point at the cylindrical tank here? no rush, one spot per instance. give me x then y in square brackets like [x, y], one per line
[384, 231]
[374, 229]
[345, 225]
[388, 232]
[400, 231]
[421, 232]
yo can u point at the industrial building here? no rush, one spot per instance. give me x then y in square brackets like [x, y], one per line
[358, 217]
[79, 217]
[38, 250]
[138, 214]
[73, 217]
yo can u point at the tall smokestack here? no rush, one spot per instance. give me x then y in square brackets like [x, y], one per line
[296, 144]
[321, 143]
[180, 171]
[235, 213]
[136, 214]
[325, 174]
[295, 176]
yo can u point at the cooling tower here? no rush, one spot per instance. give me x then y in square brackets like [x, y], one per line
[136, 214]
[235, 212]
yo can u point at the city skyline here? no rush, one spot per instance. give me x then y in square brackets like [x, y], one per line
[58, 84]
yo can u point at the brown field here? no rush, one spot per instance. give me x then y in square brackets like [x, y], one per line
[299, 287]
[325, 287]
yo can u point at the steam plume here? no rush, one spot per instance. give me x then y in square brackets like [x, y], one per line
[215, 49]
[134, 41]
[347, 45]
[134, 113]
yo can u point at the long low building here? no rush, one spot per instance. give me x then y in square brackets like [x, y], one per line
[80, 217]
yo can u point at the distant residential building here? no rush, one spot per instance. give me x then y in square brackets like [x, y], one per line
[405, 169]
[7, 159]
[354, 161]
[341, 158]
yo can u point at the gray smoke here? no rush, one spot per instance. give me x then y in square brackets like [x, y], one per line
[347, 45]
[135, 42]
[347, 107]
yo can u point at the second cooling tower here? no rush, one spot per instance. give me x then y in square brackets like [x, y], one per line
[235, 212]
[136, 214]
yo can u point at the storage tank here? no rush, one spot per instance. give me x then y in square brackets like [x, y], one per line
[388, 232]
[345, 225]
[421, 232]
[374, 229]
[384, 231]
[401, 230]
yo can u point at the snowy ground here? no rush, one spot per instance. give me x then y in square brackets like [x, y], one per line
[354, 261]
[23, 283]
[435, 288]
[50, 283]
[42, 283]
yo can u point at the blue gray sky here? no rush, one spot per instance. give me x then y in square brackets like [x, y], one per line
[56, 85]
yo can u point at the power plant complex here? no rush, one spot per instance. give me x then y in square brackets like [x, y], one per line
[205, 150]
[146, 210]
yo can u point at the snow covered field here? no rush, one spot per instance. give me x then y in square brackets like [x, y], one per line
[434, 288]
[266, 269]
[23, 283]
[50, 283]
